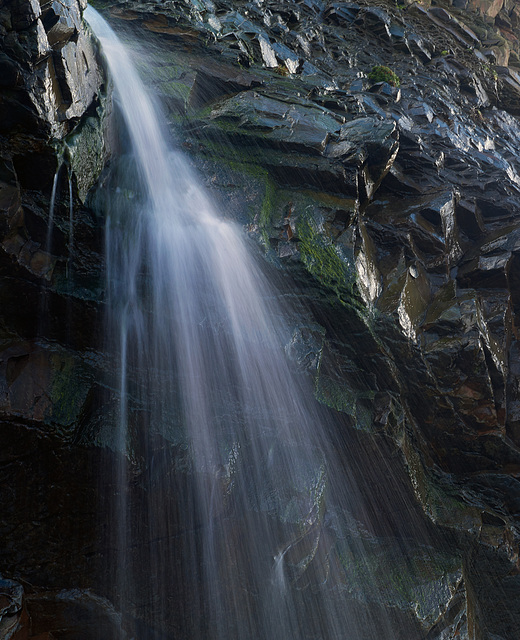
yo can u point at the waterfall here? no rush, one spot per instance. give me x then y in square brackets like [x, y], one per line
[232, 509]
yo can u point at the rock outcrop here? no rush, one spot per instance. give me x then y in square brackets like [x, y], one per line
[53, 110]
[388, 204]
[394, 210]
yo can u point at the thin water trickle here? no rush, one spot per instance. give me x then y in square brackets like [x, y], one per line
[71, 217]
[250, 526]
[43, 311]
[52, 204]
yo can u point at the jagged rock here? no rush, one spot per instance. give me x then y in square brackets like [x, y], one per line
[212, 81]
[24, 14]
[415, 234]
[393, 210]
[11, 603]
[62, 20]
[293, 127]
[52, 105]
[78, 76]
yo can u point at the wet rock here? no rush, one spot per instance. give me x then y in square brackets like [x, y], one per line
[510, 89]
[62, 20]
[342, 13]
[395, 219]
[77, 613]
[268, 53]
[487, 271]
[371, 144]
[296, 127]
[214, 81]
[10, 73]
[402, 210]
[51, 83]
[78, 76]
[418, 47]
[43, 386]
[11, 603]
[375, 20]
[11, 594]
[24, 14]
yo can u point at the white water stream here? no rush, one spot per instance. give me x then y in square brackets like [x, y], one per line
[265, 526]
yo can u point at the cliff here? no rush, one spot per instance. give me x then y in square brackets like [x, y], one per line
[371, 150]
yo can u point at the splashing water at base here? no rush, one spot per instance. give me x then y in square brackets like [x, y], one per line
[248, 525]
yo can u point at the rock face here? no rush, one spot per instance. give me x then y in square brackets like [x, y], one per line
[52, 148]
[394, 210]
[388, 209]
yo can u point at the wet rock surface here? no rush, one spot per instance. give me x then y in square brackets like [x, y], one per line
[53, 110]
[389, 213]
[393, 212]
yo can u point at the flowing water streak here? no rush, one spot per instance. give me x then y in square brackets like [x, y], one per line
[199, 341]
[71, 218]
[43, 312]
[52, 203]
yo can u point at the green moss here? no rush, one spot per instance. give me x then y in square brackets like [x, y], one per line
[324, 260]
[329, 263]
[242, 159]
[266, 212]
[421, 581]
[380, 73]
[86, 152]
[176, 89]
[171, 72]
[68, 391]
[335, 395]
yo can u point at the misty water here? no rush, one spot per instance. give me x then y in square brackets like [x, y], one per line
[231, 503]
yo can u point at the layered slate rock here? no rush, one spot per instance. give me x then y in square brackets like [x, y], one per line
[394, 210]
[52, 149]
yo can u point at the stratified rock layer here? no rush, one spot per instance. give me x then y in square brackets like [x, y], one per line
[52, 149]
[394, 209]
[389, 212]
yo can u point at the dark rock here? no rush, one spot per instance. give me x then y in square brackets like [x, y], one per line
[51, 95]
[510, 89]
[426, 241]
[376, 21]
[62, 20]
[11, 595]
[10, 73]
[342, 12]
[418, 47]
[215, 81]
[11, 603]
[293, 127]
[78, 76]
[35, 170]
[397, 220]
[24, 13]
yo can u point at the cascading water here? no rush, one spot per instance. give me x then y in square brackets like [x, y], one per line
[249, 523]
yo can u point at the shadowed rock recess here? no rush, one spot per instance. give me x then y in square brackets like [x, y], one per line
[389, 212]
